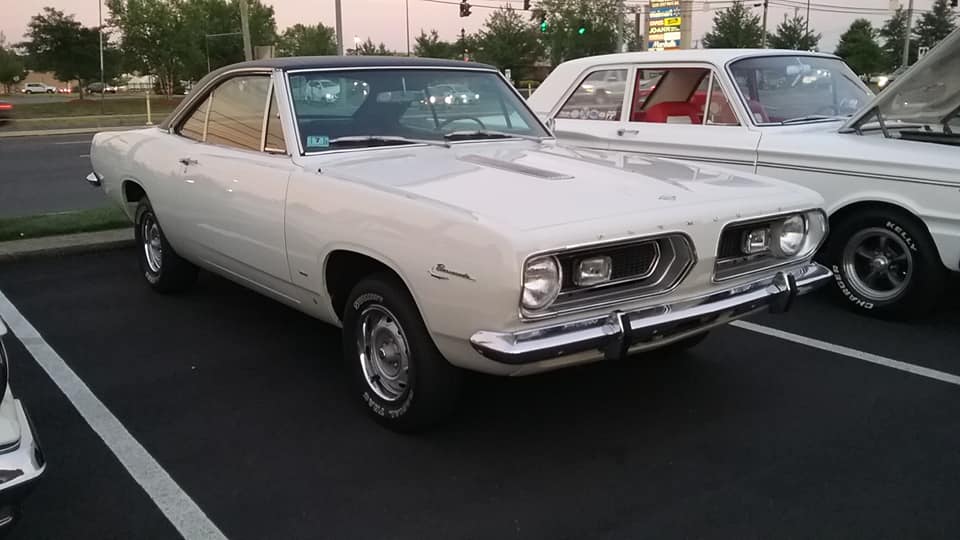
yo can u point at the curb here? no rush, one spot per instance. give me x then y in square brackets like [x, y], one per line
[18, 250]
[65, 131]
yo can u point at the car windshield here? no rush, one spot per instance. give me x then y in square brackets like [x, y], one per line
[798, 89]
[383, 107]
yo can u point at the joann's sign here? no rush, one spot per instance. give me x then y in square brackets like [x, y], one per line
[665, 24]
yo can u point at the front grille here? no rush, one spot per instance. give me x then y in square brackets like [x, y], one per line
[628, 262]
[639, 269]
[732, 261]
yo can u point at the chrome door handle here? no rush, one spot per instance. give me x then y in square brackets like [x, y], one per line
[187, 161]
[621, 132]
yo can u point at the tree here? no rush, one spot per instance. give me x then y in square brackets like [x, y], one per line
[12, 66]
[57, 42]
[892, 32]
[184, 39]
[935, 24]
[793, 34]
[313, 40]
[734, 28]
[577, 28]
[509, 42]
[431, 46]
[859, 48]
[368, 48]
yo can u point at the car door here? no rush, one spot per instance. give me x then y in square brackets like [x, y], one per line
[593, 108]
[235, 180]
[684, 111]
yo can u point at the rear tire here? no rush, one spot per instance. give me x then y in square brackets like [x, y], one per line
[401, 378]
[164, 270]
[885, 265]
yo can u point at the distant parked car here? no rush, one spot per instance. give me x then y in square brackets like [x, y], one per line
[38, 88]
[98, 88]
[6, 112]
[886, 165]
[21, 460]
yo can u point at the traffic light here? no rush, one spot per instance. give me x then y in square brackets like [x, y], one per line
[543, 24]
[581, 28]
[464, 8]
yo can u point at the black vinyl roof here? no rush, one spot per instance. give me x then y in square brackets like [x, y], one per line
[322, 62]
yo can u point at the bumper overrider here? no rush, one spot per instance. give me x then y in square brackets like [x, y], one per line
[620, 333]
[21, 466]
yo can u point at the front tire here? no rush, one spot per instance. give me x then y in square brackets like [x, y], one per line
[401, 378]
[164, 270]
[885, 265]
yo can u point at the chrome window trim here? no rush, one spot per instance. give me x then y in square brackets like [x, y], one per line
[783, 262]
[296, 125]
[681, 276]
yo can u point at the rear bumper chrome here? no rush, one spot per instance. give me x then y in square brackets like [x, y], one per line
[620, 333]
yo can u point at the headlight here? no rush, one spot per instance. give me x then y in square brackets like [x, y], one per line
[790, 235]
[541, 282]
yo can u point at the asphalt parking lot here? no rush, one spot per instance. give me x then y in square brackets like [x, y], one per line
[243, 403]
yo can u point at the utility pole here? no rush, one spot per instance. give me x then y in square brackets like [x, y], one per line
[339, 16]
[245, 29]
[806, 29]
[103, 83]
[906, 35]
[763, 39]
[408, 27]
[636, 29]
[621, 13]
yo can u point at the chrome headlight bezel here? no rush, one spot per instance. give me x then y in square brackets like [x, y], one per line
[551, 273]
[812, 223]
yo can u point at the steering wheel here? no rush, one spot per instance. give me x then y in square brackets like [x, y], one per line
[471, 118]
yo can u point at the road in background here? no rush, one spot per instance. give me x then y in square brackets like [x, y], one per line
[40, 175]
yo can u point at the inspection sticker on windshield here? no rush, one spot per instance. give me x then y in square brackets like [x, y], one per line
[318, 141]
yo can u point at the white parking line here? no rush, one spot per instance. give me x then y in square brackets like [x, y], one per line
[73, 142]
[176, 505]
[847, 351]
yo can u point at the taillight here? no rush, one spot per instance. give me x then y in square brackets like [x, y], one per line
[5, 106]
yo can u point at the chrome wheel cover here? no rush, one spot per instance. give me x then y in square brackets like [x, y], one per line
[384, 352]
[152, 245]
[877, 263]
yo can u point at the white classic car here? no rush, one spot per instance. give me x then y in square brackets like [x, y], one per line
[439, 240]
[22, 463]
[890, 173]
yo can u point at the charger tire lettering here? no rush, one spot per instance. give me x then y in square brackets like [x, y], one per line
[838, 276]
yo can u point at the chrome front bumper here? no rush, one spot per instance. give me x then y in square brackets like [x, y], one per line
[20, 467]
[621, 333]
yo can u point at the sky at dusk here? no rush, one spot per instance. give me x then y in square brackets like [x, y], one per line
[383, 20]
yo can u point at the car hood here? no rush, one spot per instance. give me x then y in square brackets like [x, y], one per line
[926, 93]
[526, 185]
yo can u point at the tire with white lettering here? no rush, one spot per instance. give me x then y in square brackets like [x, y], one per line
[401, 378]
[164, 270]
[885, 264]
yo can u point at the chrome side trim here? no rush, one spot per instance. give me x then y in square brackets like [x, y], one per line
[842, 172]
[619, 333]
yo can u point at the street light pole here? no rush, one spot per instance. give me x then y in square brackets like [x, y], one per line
[103, 85]
[339, 16]
[408, 27]
[763, 39]
[245, 30]
[906, 35]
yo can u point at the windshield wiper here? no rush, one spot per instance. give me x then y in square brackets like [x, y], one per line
[812, 118]
[388, 139]
[488, 134]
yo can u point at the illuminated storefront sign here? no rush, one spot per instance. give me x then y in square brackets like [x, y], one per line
[664, 20]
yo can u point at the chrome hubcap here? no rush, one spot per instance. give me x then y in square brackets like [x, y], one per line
[152, 246]
[384, 353]
[878, 264]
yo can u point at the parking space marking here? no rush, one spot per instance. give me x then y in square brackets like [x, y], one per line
[73, 142]
[847, 351]
[190, 521]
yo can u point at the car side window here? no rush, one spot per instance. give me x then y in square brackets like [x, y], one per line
[599, 97]
[236, 112]
[274, 141]
[680, 96]
[193, 128]
[716, 111]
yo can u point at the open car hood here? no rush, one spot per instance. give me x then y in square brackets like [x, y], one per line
[926, 94]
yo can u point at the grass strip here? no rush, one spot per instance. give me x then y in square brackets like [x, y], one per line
[90, 106]
[98, 219]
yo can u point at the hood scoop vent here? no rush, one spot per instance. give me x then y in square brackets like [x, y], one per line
[514, 167]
